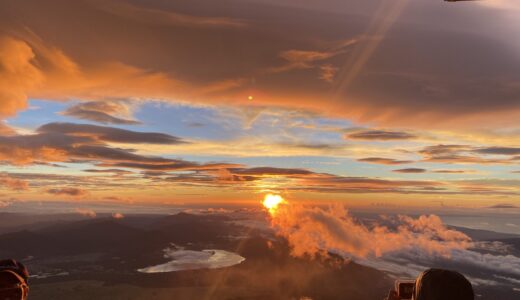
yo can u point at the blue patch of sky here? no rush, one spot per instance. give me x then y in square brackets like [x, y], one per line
[186, 121]
[40, 112]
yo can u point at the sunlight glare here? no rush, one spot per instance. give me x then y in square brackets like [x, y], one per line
[271, 202]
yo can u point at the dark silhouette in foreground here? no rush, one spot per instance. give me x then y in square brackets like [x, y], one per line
[434, 284]
[13, 280]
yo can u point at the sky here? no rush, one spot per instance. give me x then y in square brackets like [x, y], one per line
[374, 103]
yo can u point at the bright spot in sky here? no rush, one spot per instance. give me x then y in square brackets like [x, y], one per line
[271, 202]
[250, 97]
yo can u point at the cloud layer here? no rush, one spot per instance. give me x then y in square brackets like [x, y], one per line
[265, 51]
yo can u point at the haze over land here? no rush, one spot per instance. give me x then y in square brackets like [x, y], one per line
[387, 130]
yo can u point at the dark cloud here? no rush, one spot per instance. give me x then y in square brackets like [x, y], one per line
[262, 171]
[170, 165]
[110, 134]
[410, 170]
[80, 143]
[444, 149]
[452, 171]
[380, 135]
[393, 75]
[115, 171]
[101, 112]
[499, 150]
[464, 154]
[384, 161]
[503, 206]
[67, 191]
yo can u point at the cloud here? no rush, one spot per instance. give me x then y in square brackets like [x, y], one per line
[72, 143]
[498, 150]
[102, 112]
[380, 135]
[301, 180]
[114, 171]
[86, 212]
[389, 84]
[109, 134]
[313, 230]
[18, 75]
[384, 161]
[445, 171]
[308, 59]
[164, 17]
[410, 170]
[328, 72]
[13, 183]
[6, 130]
[67, 191]
[117, 215]
[503, 206]
[269, 171]
[193, 260]
[464, 154]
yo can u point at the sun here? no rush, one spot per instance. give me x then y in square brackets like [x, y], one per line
[271, 202]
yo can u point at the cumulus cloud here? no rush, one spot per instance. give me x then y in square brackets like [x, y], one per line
[67, 191]
[18, 74]
[402, 245]
[102, 112]
[314, 230]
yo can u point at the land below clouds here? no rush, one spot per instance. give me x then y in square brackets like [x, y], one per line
[80, 257]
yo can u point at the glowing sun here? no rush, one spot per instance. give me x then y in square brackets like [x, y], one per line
[271, 202]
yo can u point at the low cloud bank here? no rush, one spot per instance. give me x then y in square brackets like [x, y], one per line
[182, 260]
[314, 230]
[401, 245]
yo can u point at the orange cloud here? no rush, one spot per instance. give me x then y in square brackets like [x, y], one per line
[86, 212]
[313, 230]
[177, 61]
[13, 183]
[19, 75]
[115, 112]
[67, 191]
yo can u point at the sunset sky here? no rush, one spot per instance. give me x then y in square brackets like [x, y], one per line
[373, 103]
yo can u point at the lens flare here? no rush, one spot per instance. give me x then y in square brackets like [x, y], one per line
[271, 202]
